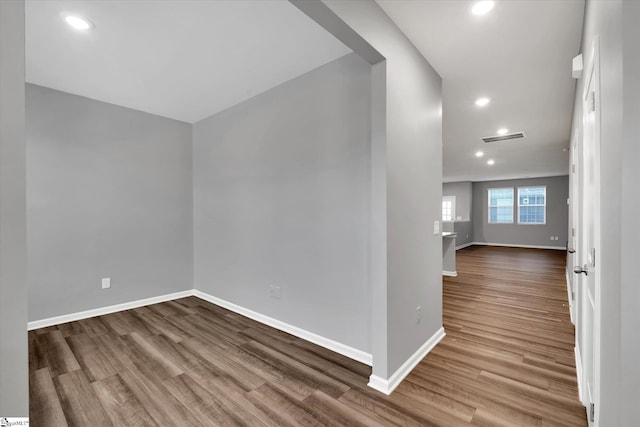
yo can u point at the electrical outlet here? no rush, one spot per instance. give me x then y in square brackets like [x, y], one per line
[274, 292]
[418, 314]
[436, 227]
[551, 238]
[106, 283]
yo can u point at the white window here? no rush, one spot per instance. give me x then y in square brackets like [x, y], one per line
[532, 205]
[449, 208]
[500, 205]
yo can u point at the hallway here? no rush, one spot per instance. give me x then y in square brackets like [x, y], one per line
[508, 354]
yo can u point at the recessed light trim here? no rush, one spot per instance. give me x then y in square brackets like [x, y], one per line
[481, 102]
[482, 7]
[491, 162]
[77, 22]
[502, 131]
[479, 153]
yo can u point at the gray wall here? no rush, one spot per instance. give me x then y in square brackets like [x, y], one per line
[281, 197]
[413, 169]
[108, 195]
[14, 395]
[523, 234]
[463, 191]
[630, 291]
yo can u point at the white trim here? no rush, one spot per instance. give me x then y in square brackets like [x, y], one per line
[465, 245]
[387, 386]
[489, 205]
[43, 323]
[327, 343]
[449, 273]
[452, 200]
[513, 245]
[544, 205]
[579, 373]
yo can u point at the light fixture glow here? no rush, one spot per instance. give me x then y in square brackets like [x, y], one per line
[482, 7]
[481, 102]
[502, 131]
[479, 153]
[490, 162]
[78, 23]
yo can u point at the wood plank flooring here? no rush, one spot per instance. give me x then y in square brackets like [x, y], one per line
[507, 360]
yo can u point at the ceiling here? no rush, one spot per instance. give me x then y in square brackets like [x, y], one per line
[519, 55]
[181, 59]
[189, 59]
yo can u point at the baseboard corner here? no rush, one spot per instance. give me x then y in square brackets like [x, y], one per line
[387, 386]
[335, 346]
[100, 311]
[464, 245]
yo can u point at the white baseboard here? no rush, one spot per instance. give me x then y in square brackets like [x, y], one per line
[387, 386]
[449, 273]
[513, 245]
[43, 323]
[581, 394]
[465, 245]
[327, 343]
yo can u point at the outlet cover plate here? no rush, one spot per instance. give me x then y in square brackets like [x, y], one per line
[274, 292]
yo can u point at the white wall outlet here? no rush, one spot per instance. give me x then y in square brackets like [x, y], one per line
[274, 292]
[418, 314]
[106, 283]
[436, 227]
[551, 238]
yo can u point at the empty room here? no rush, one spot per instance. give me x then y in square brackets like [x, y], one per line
[318, 212]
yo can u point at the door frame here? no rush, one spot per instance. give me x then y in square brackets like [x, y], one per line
[590, 397]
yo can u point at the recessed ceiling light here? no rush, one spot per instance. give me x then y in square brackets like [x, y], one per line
[481, 102]
[482, 7]
[479, 153]
[502, 131]
[78, 23]
[490, 162]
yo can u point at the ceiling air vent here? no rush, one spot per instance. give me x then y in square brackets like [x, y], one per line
[503, 137]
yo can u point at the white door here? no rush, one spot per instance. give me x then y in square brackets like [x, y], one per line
[587, 262]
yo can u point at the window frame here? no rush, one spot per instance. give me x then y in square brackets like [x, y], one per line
[453, 208]
[489, 205]
[544, 211]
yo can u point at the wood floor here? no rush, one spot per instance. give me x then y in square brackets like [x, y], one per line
[507, 360]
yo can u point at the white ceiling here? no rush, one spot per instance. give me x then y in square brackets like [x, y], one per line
[188, 59]
[520, 56]
[181, 59]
